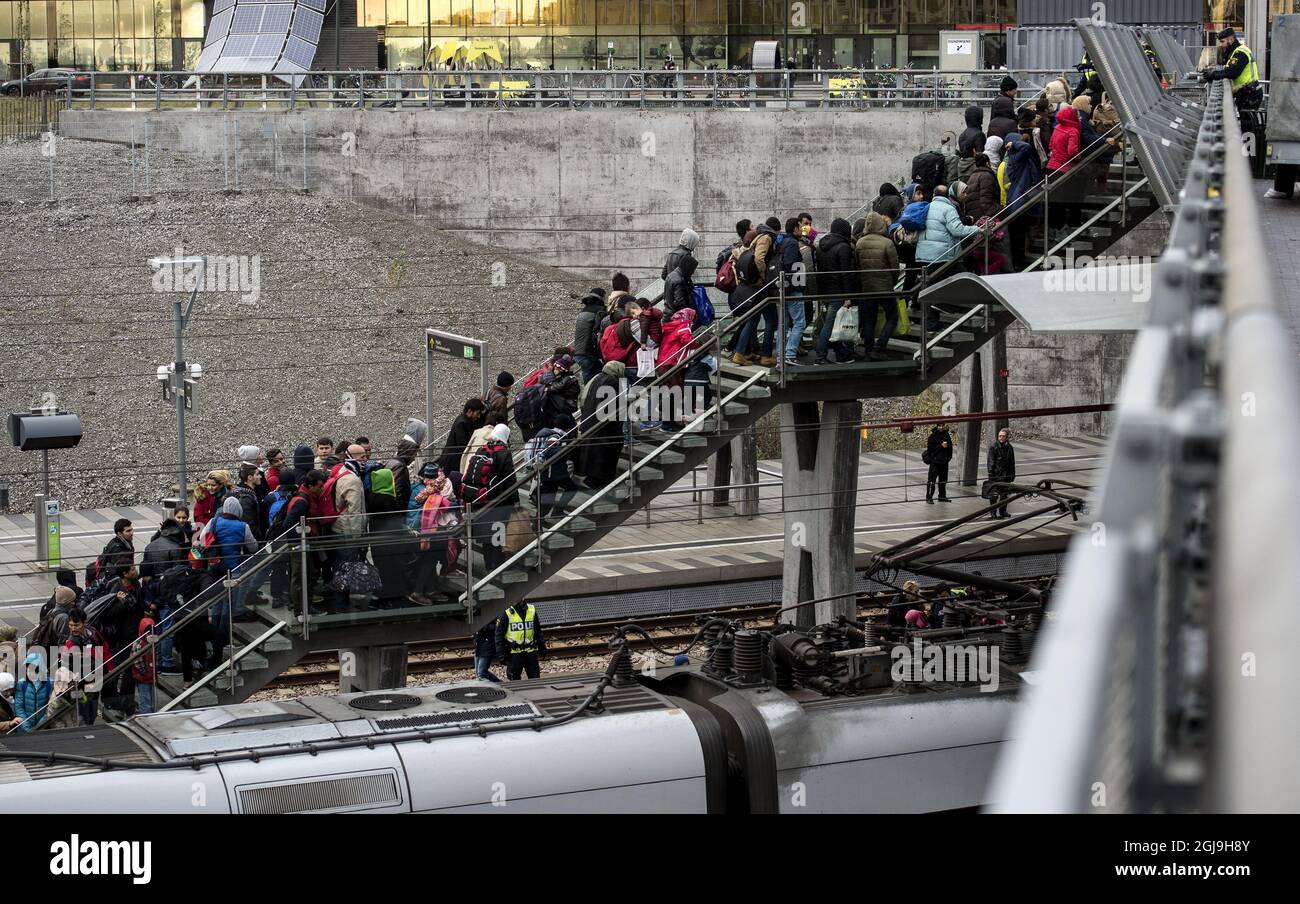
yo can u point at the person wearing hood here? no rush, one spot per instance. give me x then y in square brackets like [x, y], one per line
[685, 250]
[304, 459]
[1068, 191]
[1002, 116]
[889, 202]
[598, 456]
[144, 669]
[877, 259]
[993, 150]
[493, 507]
[586, 334]
[7, 702]
[64, 577]
[982, 197]
[837, 276]
[166, 549]
[938, 453]
[31, 695]
[1018, 176]
[277, 503]
[231, 542]
[389, 541]
[416, 431]
[678, 343]
[402, 465]
[679, 289]
[64, 600]
[562, 392]
[970, 142]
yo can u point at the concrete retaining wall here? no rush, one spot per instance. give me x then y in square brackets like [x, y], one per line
[598, 190]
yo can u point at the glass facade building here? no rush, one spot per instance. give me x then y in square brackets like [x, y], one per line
[560, 34]
[101, 34]
[697, 34]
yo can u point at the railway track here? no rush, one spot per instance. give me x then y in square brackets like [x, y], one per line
[566, 641]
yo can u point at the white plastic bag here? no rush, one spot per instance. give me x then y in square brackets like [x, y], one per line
[846, 325]
[645, 362]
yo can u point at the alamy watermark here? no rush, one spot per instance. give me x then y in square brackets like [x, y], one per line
[951, 663]
[1084, 273]
[240, 273]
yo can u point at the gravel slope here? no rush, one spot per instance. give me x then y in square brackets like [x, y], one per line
[332, 345]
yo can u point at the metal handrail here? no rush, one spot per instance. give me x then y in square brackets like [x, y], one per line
[627, 476]
[227, 666]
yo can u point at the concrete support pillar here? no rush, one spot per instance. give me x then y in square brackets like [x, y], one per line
[972, 402]
[737, 463]
[995, 390]
[372, 668]
[744, 470]
[820, 455]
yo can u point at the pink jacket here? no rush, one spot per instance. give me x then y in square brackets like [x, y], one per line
[678, 339]
[1065, 140]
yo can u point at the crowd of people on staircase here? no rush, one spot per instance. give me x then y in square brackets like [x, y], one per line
[385, 531]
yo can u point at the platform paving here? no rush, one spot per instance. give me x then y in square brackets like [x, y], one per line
[684, 543]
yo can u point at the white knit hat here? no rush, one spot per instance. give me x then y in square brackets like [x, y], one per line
[501, 433]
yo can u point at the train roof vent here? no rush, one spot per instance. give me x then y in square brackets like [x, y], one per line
[457, 717]
[245, 716]
[357, 792]
[471, 694]
[385, 702]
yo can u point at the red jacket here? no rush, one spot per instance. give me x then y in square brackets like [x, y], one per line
[272, 479]
[204, 509]
[613, 349]
[677, 338]
[143, 668]
[93, 639]
[1065, 141]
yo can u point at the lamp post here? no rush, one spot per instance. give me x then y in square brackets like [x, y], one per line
[179, 377]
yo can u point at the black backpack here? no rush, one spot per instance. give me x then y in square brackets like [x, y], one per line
[529, 406]
[747, 267]
[928, 169]
[478, 476]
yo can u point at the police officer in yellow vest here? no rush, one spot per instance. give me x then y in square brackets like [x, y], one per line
[1084, 66]
[1240, 67]
[519, 641]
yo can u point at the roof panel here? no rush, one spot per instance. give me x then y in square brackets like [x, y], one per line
[1100, 298]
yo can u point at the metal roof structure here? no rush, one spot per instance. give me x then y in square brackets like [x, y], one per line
[262, 36]
[1163, 129]
[1175, 59]
[1103, 297]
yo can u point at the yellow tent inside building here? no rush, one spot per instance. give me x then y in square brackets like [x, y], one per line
[466, 52]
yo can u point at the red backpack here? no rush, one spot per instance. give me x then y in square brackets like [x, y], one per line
[725, 281]
[329, 512]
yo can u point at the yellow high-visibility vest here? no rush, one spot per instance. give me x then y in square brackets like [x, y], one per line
[1249, 73]
[519, 631]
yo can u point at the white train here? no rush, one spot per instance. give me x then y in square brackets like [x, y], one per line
[684, 741]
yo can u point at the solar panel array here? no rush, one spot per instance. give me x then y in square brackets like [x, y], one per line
[1174, 58]
[262, 36]
[1163, 129]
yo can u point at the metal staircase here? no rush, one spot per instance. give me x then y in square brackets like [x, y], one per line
[262, 650]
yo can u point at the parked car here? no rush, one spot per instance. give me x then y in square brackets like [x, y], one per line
[46, 80]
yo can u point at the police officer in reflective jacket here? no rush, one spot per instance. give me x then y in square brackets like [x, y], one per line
[1240, 68]
[519, 641]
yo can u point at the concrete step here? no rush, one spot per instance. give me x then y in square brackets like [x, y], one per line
[744, 373]
[170, 687]
[557, 540]
[666, 457]
[253, 660]
[954, 336]
[646, 472]
[250, 631]
[904, 345]
[756, 391]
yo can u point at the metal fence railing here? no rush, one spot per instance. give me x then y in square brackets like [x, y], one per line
[1146, 698]
[537, 89]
